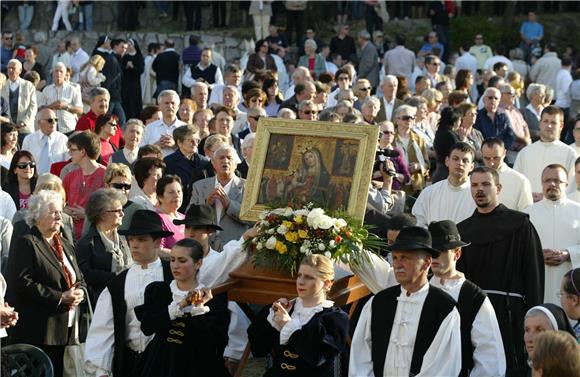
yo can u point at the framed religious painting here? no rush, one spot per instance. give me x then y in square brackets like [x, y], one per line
[296, 162]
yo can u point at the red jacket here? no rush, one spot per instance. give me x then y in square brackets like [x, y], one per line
[87, 122]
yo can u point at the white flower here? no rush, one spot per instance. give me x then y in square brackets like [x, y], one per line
[325, 222]
[327, 254]
[303, 249]
[262, 215]
[259, 246]
[339, 223]
[282, 229]
[321, 247]
[270, 231]
[306, 243]
[271, 243]
[318, 220]
[332, 244]
[288, 212]
[301, 212]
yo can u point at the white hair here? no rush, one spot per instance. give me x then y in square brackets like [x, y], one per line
[248, 142]
[224, 148]
[38, 205]
[286, 113]
[390, 78]
[167, 93]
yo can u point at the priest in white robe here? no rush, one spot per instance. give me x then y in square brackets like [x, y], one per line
[411, 328]
[557, 221]
[532, 160]
[574, 192]
[449, 199]
[516, 191]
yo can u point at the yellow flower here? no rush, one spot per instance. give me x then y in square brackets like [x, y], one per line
[302, 233]
[291, 236]
[298, 219]
[287, 224]
[280, 247]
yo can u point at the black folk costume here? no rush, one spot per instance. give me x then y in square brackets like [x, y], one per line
[307, 346]
[188, 342]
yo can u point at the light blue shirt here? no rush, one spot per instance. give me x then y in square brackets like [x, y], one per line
[532, 30]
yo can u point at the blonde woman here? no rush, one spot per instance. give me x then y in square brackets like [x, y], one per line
[434, 100]
[91, 76]
[308, 332]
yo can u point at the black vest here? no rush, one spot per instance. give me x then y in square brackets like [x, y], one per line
[207, 74]
[436, 307]
[117, 290]
[469, 302]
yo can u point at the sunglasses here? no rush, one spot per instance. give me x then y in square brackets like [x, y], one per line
[51, 120]
[382, 133]
[24, 165]
[407, 117]
[256, 118]
[308, 112]
[113, 124]
[121, 186]
[365, 89]
[257, 100]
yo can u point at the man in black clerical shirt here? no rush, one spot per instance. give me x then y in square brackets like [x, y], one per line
[505, 260]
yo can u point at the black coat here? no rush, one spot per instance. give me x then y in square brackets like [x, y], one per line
[113, 74]
[131, 90]
[35, 282]
[12, 189]
[95, 262]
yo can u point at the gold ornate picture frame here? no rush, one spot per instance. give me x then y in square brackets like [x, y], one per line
[295, 162]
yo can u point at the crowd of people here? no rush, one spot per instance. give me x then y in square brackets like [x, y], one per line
[123, 176]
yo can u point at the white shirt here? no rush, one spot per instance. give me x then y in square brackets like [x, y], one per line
[154, 131]
[443, 201]
[7, 206]
[100, 343]
[516, 192]
[558, 225]
[130, 155]
[467, 61]
[189, 81]
[442, 356]
[57, 147]
[563, 81]
[488, 355]
[489, 63]
[217, 95]
[535, 157]
[77, 60]
[63, 58]
[389, 106]
[575, 196]
[67, 121]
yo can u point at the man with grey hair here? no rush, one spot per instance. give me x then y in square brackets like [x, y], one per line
[21, 97]
[253, 116]
[99, 99]
[224, 192]
[199, 94]
[389, 101]
[307, 110]
[370, 109]
[368, 63]
[133, 134]
[63, 98]
[492, 123]
[47, 145]
[300, 76]
[233, 77]
[160, 132]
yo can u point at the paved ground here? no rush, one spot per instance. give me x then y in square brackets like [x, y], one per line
[255, 368]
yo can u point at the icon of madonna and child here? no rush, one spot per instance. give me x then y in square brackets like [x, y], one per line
[295, 171]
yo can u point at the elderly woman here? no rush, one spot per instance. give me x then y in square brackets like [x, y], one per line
[118, 176]
[106, 127]
[21, 178]
[370, 108]
[247, 151]
[466, 131]
[8, 143]
[201, 119]
[148, 171]
[422, 125]
[170, 197]
[434, 100]
[362, 90]
[101, 252]
[536, 94]
[311, 60]
[43, 280]
[186, 110]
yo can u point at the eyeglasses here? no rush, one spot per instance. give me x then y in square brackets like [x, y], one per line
[256, 118]
[256, 100]
[73, 149]
[407, 117]
[382, 133]
[113, 124]
[492, 98]
[437, 64]
[555, 181]
[8, 38]
[117, 211]
[365, 89]
[121, 186]
[51, 120]
[308, 112]
[24, 165]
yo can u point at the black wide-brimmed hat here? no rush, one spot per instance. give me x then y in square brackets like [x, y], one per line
[199, 216]
[145, 221]
[445, 236]
[415, 238]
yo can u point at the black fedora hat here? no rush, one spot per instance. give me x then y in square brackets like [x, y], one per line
[445, 236]
[415, 238]
[145, 221]
[199, 216]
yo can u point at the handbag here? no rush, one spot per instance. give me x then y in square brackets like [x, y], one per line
[74, 352]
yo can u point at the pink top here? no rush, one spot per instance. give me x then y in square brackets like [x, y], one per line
[167, 224]
[79, 187]
[24, 199]
[106, 151]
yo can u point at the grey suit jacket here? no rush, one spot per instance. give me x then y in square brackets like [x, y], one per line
[382, 115]
[368, 66]
[27, 105]
[233, 227]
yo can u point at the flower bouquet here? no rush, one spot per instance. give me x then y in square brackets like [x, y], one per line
[286, 235]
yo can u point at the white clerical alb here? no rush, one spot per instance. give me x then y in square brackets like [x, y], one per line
[558, 225]
[443, 201]
[516, 192]
[443, 355]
